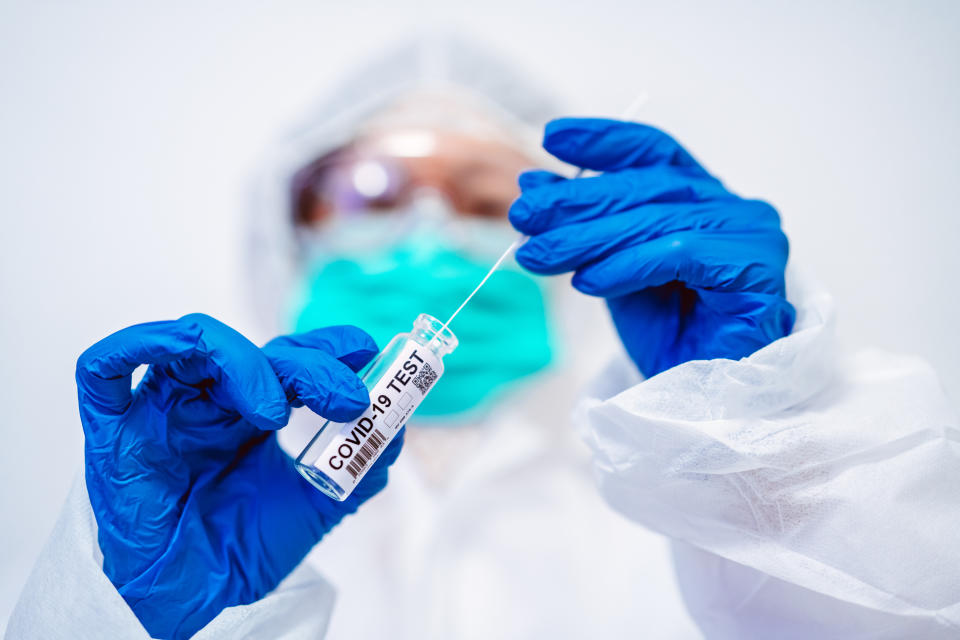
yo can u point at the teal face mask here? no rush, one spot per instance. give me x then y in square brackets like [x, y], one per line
[503, 332]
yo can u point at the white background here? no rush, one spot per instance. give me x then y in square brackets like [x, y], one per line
[127, 131]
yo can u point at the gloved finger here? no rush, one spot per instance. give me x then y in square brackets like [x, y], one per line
[608, 145]
[724, 261]
[244, 380]
[319, 380]
[569, 247]
[560, 203]
[537, 178]
[350, 345]
[104, 370]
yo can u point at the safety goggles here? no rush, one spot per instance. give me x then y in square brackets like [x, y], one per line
[382, 174]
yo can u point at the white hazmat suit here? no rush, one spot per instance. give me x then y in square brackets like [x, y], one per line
[807, 494]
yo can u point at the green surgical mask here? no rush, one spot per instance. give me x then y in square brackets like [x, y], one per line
[504, 334]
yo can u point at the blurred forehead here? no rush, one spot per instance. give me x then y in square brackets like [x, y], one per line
[454, 149]
[451, 111]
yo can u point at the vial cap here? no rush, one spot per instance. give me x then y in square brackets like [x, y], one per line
[429, 328]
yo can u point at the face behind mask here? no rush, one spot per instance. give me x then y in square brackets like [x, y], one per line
[504, 334]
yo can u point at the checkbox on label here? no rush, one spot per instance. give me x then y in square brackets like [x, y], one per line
[404, 400]
[391, 418]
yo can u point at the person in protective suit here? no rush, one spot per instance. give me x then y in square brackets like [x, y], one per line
[754, 480]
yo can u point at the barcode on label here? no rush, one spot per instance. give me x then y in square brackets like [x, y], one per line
[366, 452]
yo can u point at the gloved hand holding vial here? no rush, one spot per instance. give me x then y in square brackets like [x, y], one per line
[184, 473]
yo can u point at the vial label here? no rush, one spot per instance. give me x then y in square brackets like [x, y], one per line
[393, 399]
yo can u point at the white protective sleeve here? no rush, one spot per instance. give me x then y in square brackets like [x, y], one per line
[69, 597]
[808, 495]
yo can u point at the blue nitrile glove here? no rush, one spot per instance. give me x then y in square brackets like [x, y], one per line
[689, 270]
[198, 507]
